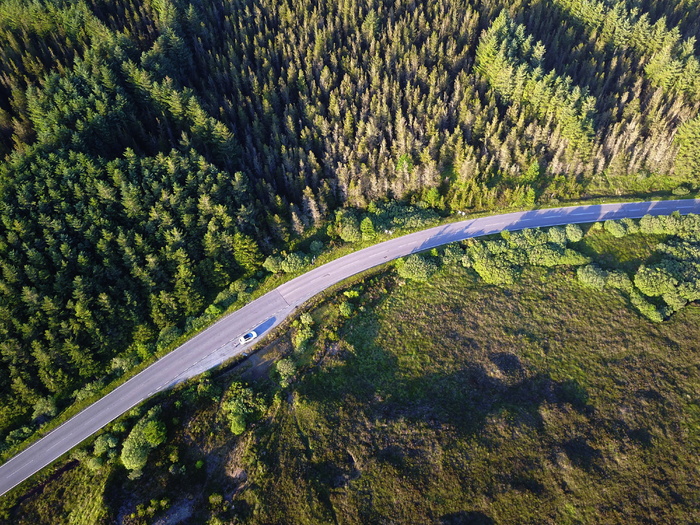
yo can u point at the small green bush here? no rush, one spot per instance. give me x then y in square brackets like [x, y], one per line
[294, 262]
[273, 264]
[557, 235]
[345, 309]
[645, 307]
[615, 228]
[316, 247]
[241, 405]
[452, 254]
[573, 232]
[591, 276]
[146, 434]
[416, 267]
[286, 370]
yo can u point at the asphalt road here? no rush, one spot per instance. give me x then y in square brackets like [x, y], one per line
[219, 342]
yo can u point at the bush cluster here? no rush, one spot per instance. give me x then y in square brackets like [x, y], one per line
[661, 288]
[147, 434]
[242, 406]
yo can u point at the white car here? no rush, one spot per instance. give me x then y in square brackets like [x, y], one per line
[248, 337]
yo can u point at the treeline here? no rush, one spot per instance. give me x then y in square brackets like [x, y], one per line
[348, 102]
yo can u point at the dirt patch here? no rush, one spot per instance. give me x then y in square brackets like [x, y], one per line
[178, 513]
[258, 365]
[234, 467]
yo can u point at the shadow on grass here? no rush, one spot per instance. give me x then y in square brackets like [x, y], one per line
[581, 454]
[388, 386]
[463, 398]
[466, 518]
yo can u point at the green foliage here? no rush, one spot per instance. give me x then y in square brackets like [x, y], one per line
[154, 432]
[573, 232]
[393, 216]
[669, 63]
[676, 277]
[557, 235]
[615, 228]
[533, 173]
[347, 226]
[94, 463]
[656, 224]
[555, 255]
[404, 163]
[452, 254]
[367, 229]
[619, 280]
[45, 406]
[147, 433]
[630, 226]
[213, 310]
[301, 337]
[672, 280]
[433, 199]
[646, 308]
[316, 247]
[417, 267]
[147, 511]
[345, 309]
[512, 64]
[103, 444]
[591, 276]
[500, 261]
[273, 264]
[294, 262]
[493, 270]
[687, 162]
[242, 406]
[286, 370]
[654, 281]
[122, 245]
[246, 252]
[89, 390]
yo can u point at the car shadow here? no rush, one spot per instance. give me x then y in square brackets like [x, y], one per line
[265, 326]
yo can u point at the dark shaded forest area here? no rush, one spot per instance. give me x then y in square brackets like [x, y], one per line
[154, 151]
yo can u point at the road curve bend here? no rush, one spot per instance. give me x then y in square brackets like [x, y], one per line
[219, 342]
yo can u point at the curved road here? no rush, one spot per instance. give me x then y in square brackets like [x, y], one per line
[218, 343]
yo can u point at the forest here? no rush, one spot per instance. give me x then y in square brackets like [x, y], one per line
[155, 151]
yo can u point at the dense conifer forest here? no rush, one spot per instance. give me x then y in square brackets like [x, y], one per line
[155, 151]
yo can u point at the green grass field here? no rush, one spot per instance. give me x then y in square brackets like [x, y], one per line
[453, 401]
